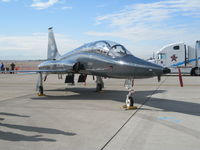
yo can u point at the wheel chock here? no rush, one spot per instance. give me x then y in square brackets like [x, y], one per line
[124, 106]
[39, 94]
[131, 108]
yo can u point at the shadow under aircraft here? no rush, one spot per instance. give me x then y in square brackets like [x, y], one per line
[140, 97]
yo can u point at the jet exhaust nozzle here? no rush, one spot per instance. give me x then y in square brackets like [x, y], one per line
[166, 70]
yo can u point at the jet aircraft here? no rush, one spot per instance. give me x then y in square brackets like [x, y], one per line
[103, 59]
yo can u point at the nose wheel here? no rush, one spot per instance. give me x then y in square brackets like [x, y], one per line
[129, 102]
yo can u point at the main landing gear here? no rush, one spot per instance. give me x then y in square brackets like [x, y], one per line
[129, 83]
[39, 86]
[99, 84]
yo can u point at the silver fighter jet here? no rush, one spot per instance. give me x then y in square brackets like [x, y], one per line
[101, 59]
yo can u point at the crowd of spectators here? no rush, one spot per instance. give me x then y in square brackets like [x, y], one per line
[7, 68]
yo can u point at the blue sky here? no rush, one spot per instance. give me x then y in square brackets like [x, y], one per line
[143, 26]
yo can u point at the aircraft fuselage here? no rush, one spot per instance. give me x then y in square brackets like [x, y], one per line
[95, 61]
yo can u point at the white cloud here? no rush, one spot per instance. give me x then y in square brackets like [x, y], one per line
[152, 22]
[33, 46]
[38, 4]
[66, 7]
[152, 12]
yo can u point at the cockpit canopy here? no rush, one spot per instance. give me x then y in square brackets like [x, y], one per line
[105, 47]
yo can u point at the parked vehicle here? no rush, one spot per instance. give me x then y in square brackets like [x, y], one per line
[180, 55]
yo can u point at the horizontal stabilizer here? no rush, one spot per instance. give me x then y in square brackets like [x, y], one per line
[35, 71]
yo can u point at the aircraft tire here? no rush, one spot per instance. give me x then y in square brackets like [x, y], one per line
[129, 102]
[41, 91]
[99, 87]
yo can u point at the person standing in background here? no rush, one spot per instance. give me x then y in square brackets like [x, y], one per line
[2, 68]
[12, 67]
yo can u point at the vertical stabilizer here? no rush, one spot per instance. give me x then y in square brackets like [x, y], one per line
[52, 48]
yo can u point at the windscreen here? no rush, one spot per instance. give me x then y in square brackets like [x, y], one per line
[109, 48]
[117, 51]
[101, 47]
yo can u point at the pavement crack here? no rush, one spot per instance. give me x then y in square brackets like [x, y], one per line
[146, 100]
[18, 97]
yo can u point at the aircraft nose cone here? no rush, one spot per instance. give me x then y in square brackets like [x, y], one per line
[166, 70]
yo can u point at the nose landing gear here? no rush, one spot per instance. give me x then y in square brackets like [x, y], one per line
[129, 98]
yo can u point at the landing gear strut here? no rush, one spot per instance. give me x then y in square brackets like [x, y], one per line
[129, 83]
[39, 87]
[99, 84]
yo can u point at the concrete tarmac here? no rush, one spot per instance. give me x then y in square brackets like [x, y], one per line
[78, 118]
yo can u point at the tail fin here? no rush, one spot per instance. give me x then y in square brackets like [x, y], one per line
[52, 53]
